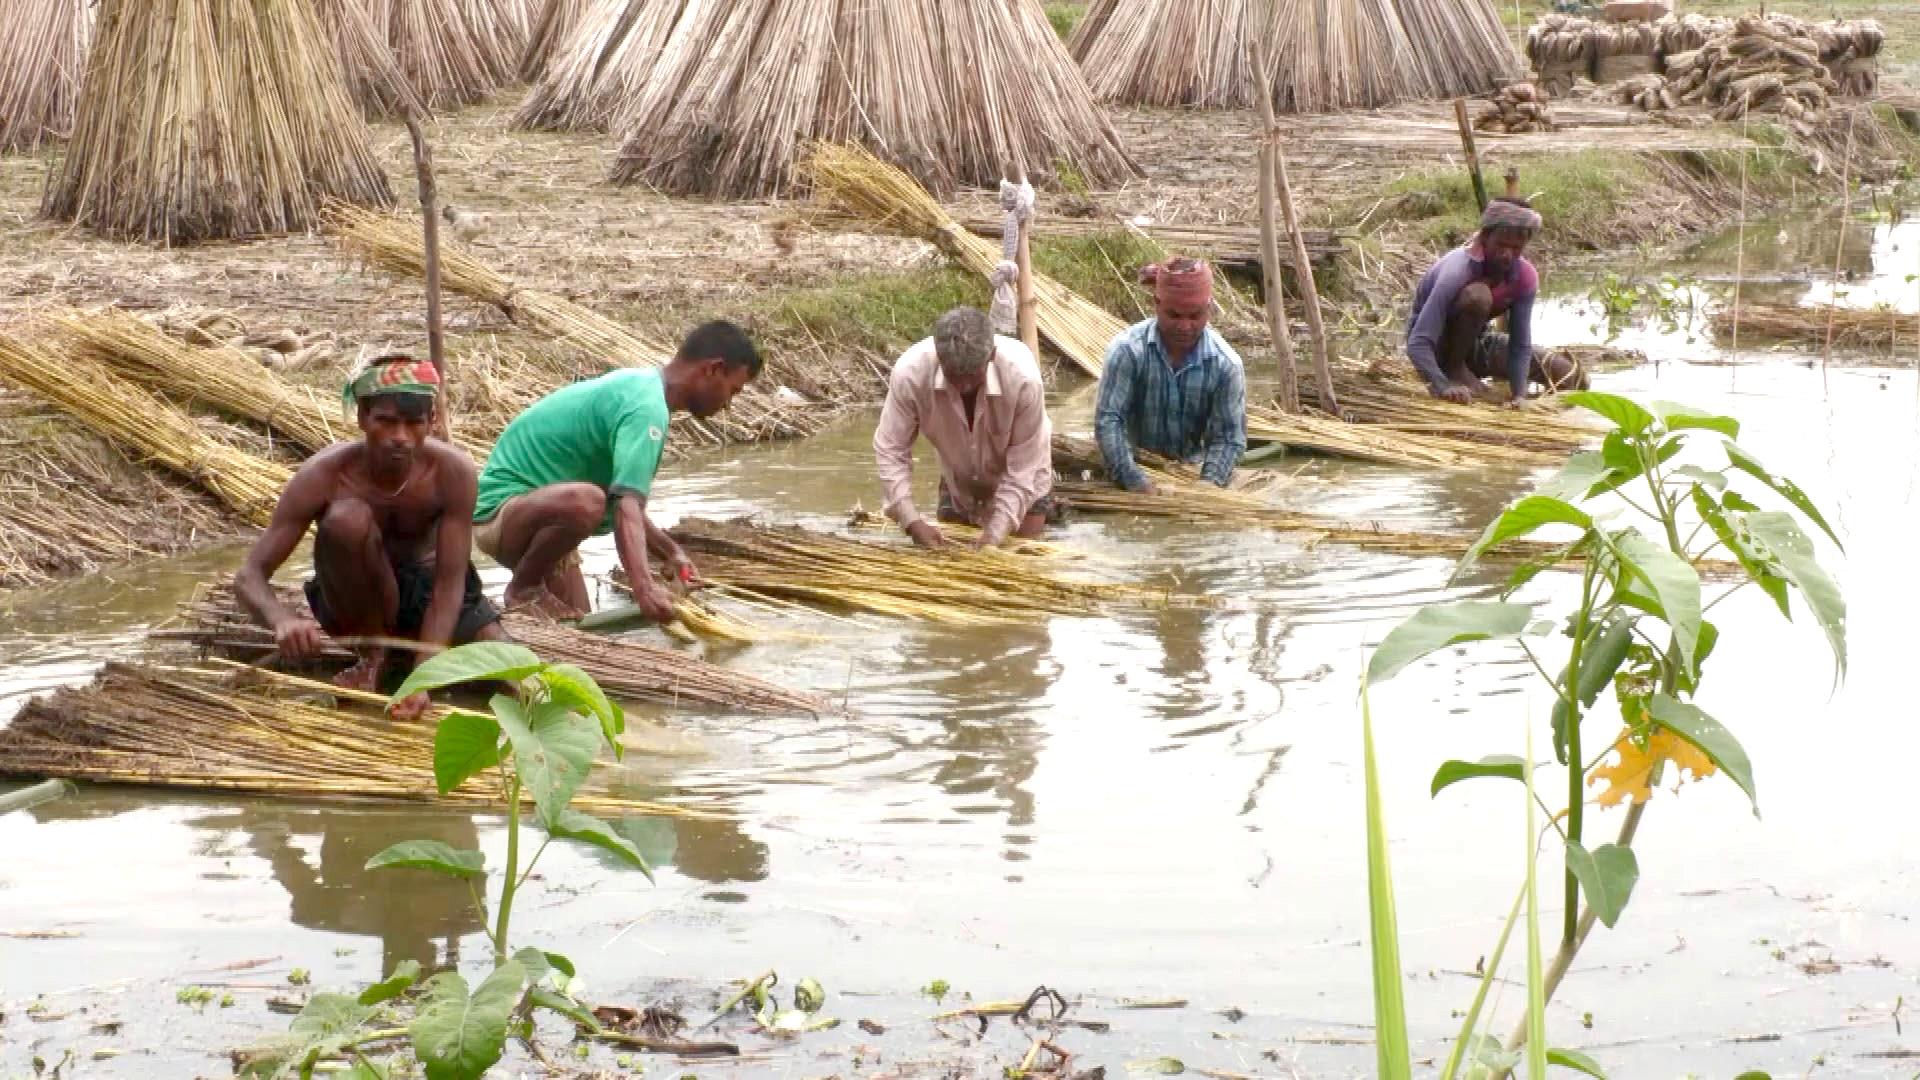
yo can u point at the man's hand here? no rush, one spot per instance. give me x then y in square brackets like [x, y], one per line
[1518, 401]
[299, 639]
[654, 601]
[926, 534]
[1459, 395]
[410, 707]
[680, 568]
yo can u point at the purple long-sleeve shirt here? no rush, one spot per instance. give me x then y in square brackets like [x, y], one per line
[1440, 287]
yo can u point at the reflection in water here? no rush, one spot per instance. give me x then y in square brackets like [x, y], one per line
[713, 851]
[990, 742]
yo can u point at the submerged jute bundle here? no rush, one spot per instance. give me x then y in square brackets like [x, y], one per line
[212, 119]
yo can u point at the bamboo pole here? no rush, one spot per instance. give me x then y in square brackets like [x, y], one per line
[1303, 274]
[1029, 312]
[1289, 396]
[430, 243]
[1839, 244]
[1473, 154]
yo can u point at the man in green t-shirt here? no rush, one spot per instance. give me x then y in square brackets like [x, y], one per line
[580, 462]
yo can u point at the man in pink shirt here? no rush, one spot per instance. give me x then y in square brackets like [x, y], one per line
[978, 399]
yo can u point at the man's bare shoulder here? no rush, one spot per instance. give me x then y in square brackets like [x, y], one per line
[329, 462]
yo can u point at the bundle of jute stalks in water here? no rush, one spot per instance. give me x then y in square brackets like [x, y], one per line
[1517, 108]
[1558, 49]
[1759, 64]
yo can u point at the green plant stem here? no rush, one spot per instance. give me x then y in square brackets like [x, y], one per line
[507, 883]
[1570, 694]
[533, 862]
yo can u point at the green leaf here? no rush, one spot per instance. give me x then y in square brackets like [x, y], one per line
[435, 855]
[1438, 626]
[1793, 554]
[403, 977]
[1536, 1046]
[570, 686]
[1673, 582]
[1682, 417]
[554, 1001]
[466, 743]
[1575, 1060]
[1624, 462]
[1524, 517]
[1754, 1074]
[553, 748]
[1490, 970]
[325, 1025]
[1624, 413]
[480, 661]
[1578, 476]
[1698, 475]
[458, 1037]
[1539, 564]
[809, 995]
[1737, 455]
[540, 963]
[1710, 737]
[1452, 772]
[1606, 875]
[1600, 658]
[1736, 535]
[655, 837]
[1161, 1066]
[587, 829]
[1394, 1060]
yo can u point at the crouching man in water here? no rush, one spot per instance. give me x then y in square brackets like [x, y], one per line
[978, 399]
[580, 462]
[1449, 338]
[391, 516]
[1172, 385]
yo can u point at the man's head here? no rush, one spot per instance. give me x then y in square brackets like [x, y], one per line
[715, 363]
[1505, 228]
[963, 342]
[394, 398]
[1182, 301]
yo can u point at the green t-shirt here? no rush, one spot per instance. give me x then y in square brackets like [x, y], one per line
[607, 432]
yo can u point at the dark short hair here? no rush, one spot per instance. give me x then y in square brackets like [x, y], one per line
[410, 406]
[723, 341]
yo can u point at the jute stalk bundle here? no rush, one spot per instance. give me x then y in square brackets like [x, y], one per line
[451, 52]
[208, 119]
[137, 420]
[43, 58]
[1767, 64]
[624, 669]
[245, 731]
[372, 72]
[1334, 54]
[958, 92]
[1559, 48]
[393, 244]
[1859, 328]
[553, 22]
[1516, 108]
[602, 64]
[957, 586]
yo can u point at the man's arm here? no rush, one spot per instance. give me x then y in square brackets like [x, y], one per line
[630, 526]
[1029, 465]
[300, 505]
[893, 440]
[1110, 416]
[1519, 345]
[452, 547]
[1429, 323]
[1226, 428]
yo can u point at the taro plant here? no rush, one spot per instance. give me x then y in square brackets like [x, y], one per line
[540, 743]
[1639, 519]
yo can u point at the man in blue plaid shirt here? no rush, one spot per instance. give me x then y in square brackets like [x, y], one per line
[1172, 385]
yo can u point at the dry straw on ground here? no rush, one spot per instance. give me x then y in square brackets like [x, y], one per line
[212, 119]
[958, 92]
[1330, 54]
[43, 58]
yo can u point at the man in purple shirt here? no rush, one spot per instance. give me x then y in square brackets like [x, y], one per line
[1448, 335]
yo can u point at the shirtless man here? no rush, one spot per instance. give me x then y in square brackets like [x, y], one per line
[392, 517]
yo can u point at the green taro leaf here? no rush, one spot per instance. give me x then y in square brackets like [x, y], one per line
[435, 855]
[1575, 1060]
[554, 1001]
[1737, 455]
[1523, 517]
[466, 743]
[587, 829]
[1673, 583]
[570, 686]
[553, 747]
[1438, 626]
[480, 661]
[403, 977]
[1793, 553]
[1682, 417]
[1607, 875]
[1714, 740]
[1501, 765]
[1736, 535]
[539, 964]
[458, 1037]
[1625, 414]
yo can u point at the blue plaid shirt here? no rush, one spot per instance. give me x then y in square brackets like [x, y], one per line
[1195, 414]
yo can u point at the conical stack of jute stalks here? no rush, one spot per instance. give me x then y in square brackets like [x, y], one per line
[43, 58]
[604, 63]
[138, 421]
[553, 22]
[212, 119]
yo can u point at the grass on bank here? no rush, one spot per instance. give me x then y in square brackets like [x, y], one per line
[1064, 16]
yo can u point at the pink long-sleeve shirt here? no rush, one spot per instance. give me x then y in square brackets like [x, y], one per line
[995, 468]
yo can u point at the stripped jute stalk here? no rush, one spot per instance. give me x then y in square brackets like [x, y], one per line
[43, 58]
[209, 119]
[603, 63]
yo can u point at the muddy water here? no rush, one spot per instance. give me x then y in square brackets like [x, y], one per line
[1146, 807]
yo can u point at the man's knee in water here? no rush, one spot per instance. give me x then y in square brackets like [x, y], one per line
[1475, 301]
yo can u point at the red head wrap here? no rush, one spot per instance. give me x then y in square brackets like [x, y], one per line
[1181, 281]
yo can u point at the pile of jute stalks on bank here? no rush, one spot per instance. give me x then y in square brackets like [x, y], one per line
[1759, 65]
[1515, 109]
[1690, 51]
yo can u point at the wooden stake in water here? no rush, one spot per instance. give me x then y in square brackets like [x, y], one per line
[1289, 389]
[1303, 274]
[1473, 153]
[1740, 248]
[430, 244]
[1840, 245]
